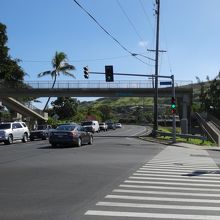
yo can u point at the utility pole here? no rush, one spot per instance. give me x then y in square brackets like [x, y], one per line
[157, 12]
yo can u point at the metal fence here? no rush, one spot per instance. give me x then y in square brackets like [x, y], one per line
[92, 84]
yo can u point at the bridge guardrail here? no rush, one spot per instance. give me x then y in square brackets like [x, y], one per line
[89, 84]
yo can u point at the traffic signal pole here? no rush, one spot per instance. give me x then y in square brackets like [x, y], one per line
[174, 114]
[155, 77]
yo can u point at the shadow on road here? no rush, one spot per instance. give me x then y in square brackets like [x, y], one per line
[202, 172]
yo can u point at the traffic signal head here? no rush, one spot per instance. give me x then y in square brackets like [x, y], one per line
[86, 72]
[173, 105]
[109, 75]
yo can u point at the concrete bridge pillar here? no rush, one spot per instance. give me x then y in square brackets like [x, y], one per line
[184, 120]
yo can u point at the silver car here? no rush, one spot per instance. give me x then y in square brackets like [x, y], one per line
[10, 131]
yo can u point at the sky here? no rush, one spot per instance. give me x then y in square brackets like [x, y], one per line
[189, 32]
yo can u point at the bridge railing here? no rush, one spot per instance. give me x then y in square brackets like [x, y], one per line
[91, 84]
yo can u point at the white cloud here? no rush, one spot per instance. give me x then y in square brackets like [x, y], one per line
[142, 43]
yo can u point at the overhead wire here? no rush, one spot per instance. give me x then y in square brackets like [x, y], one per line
[111, 36]
[81, 60]
[130, 22]
[145, 13]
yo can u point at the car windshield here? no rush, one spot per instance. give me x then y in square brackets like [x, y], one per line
[87, 123]
[5, 126]
[66, 127]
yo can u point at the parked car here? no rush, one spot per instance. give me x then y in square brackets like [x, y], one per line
[91, 126]
[70, 135]
[10, 131]
[103, 126]
[111, 125]
[118, 125]
[41, 132]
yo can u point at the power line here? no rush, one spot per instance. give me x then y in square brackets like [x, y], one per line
[81, 60]
[90, 60]
[143, 8]
[112, 37]
[130, 22]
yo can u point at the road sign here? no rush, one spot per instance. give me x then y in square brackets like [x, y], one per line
[165, 83]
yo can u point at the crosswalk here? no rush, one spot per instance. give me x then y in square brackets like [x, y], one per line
[178, 183]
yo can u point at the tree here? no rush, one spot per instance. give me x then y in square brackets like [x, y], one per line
[10, 71]
[106, 112]
[60, 65]
[209, 95]
[65, 107]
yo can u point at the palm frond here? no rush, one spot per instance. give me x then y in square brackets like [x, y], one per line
[66, 73]
[66, 66]
[44, 73]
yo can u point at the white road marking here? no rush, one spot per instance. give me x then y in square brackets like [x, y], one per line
[147, 198]
[175, 180]
[173, 183]
[178, 173]
[151, 215]
[181, 167]
[169, 188]
[155, 174]
[169, 183]
[166, 193]
[157, 206]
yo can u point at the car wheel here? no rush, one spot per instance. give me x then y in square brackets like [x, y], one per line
[25, 138]
[53, 145]
[90, 140]
[10, 140]
[79, 142]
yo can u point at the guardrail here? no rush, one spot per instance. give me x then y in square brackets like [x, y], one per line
[186, 136]
[213, 135]
[90, 84]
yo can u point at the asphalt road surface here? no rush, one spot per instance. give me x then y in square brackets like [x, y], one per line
[118, 177]
[40, 182]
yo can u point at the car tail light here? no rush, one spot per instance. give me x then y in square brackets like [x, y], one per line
[72, 134]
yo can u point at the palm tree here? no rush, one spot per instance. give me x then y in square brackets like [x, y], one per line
[60, 65]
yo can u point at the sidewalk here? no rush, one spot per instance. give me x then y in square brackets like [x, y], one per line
[193, 146]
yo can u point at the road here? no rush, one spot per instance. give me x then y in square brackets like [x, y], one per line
[118, 177]
[38, 182]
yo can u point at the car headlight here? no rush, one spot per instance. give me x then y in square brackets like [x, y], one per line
[2, 133]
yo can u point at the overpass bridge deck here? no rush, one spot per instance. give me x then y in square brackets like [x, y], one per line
[90, 88]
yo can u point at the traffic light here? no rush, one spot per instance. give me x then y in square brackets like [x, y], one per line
[173, 105]
[86, 72]
[109, 75]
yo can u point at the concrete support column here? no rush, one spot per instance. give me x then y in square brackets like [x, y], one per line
[184, 120]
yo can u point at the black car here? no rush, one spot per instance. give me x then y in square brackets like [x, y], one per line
[41, 132]
[73, 135]
[111, 125]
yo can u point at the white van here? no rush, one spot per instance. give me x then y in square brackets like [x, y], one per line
[92, 126]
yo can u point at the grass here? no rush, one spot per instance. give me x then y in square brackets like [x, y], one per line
[184, 140]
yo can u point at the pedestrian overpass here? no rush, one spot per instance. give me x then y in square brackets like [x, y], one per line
[88, 88]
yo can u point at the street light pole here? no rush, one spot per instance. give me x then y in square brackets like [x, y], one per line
[157, 11]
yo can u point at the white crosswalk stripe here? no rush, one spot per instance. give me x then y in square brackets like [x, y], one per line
[167, 188]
